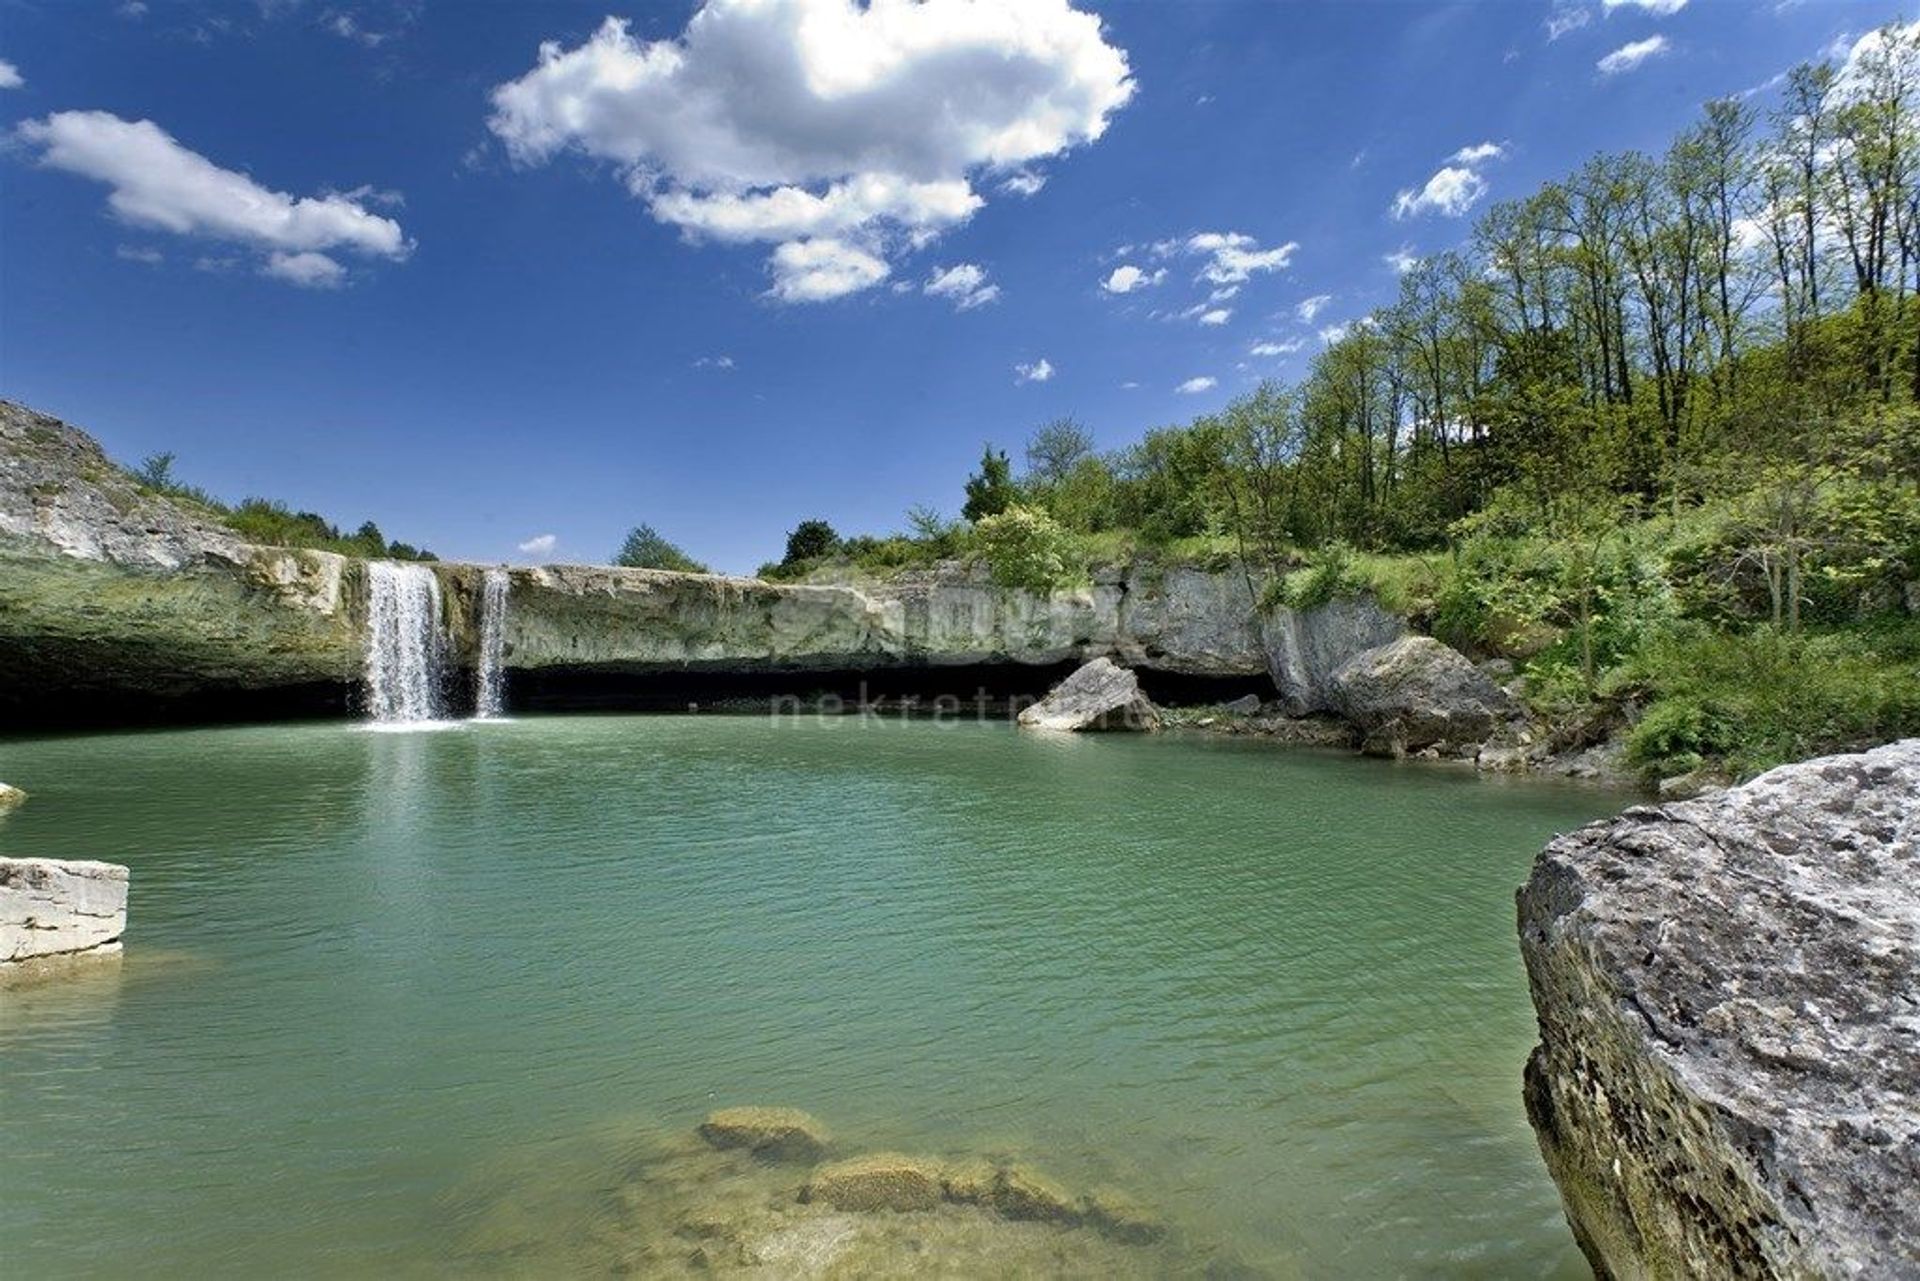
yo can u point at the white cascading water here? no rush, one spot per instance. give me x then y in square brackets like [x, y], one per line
[404, 644]
[490, 674]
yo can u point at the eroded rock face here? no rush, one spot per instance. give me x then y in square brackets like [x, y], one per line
[1305, 647]
[1415, 693]
[1728, 990]
[57, 907]
[1101, 695]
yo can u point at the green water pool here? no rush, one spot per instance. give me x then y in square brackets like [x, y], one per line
[381, 988]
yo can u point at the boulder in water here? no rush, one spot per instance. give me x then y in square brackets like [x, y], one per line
[773, 1134]
[878, 1181]
[1122, 1217]
[1416, 693]
[58, 907]
[1101, 695]
[1024, 1193]
[11, 798]
[1728, 1076]
[970, 1182]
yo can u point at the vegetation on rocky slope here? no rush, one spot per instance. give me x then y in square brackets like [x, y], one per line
[1654, 436]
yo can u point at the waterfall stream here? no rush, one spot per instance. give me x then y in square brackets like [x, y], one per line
[405, 644]
[490, 673]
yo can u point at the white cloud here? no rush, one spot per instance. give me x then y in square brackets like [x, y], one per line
[1307, 308]
[133, 9]
[308, 269]
[1125, 279]
[139, 253]
[816, 270]
[966, 284]
[1216, 316]
[1232, 257]
[1334, 333]
[1659, 8]
[540, 544]
[1024, 182]
[1629, 56]
[1563, 21]
[1194, 386]
[1223, 293]
[793, 121]
[160, 184]
[1402, 260]
[713, 362]
[1285, 347]
[1454, 188]
[10, 77]
[1037, 372]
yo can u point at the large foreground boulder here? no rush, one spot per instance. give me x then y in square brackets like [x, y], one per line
[54, 907]
[1728, 989]
[1100, 695]
[1415, 693]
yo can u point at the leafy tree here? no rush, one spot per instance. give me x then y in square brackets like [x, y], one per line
[1056, 449]
[991, 490]
[810, 540]
[644, 548]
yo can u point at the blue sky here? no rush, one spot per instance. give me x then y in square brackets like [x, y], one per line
[343, 268]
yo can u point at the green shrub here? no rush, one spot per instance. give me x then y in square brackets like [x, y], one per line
[1027, 549]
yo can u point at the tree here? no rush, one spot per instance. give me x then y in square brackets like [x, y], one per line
[991, 490]
[644, 548]
[156, 471]
[1056, 449]
[810, 540]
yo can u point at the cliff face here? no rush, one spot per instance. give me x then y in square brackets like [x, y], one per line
[108, 593]
[111, 597]
[1728, 1076]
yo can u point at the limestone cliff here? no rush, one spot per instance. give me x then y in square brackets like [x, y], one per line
[1728, 989]
[113, 598]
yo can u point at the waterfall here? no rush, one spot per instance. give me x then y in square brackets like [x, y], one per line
[404, 644]
[490, 673]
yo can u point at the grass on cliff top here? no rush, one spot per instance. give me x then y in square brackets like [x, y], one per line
[268, 521]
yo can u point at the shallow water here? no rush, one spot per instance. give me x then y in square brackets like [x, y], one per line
[371, 977]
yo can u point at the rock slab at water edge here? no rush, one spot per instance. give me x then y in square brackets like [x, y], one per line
[1099, 695]
[1728, 990]
[53, 907]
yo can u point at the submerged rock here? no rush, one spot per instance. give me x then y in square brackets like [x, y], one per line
[774, 1134]
[1416, 693]
[11, 798]
[1025, 1193]
[56, 907]
[1101, 695]
[1728, 991]
[1124, 1218]
[878, 1181]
